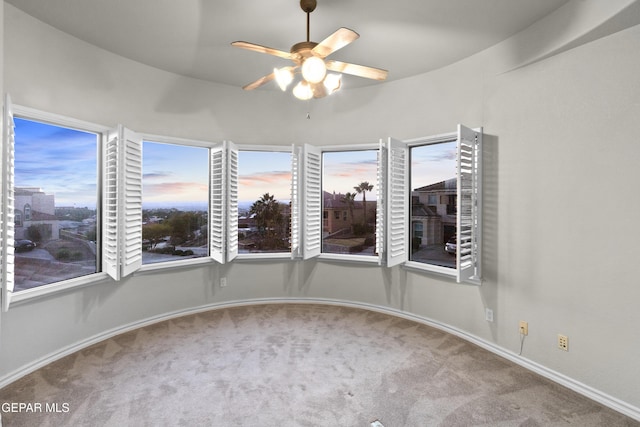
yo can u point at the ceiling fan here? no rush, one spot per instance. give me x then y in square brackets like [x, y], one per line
[309, 58]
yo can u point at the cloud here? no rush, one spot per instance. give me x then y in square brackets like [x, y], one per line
[174, 188]
[358, 171]
[156, 175]
[260, 179]
[172, 192]
[445, 155]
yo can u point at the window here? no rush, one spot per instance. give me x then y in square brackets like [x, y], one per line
[56, 185]
[175, 207]
[79, 199]
[349, 202]
[264, 202]
[433, 209]
[433, 175]
[418, 230]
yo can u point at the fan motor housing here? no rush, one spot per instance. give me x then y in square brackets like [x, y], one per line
[302, 50]
[308, 5]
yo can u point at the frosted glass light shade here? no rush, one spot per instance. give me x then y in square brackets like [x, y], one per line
[333, 82]
[284, 77]
[302, 91]
[314, 69]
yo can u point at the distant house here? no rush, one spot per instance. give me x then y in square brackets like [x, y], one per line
[433, 212]
[34, 207]
[336, 212]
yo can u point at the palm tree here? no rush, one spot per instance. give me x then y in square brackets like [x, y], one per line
[350, 199]
[268, 218]
[363, 188]
[267, 212]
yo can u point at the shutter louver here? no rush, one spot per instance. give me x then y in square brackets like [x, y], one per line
[468, 204]
[295, 202]
[217, 202]
[7, 224]
[381, 201]
[131, 146]
[312, 215]
[232, 201]
[110, 223]
[397, 202]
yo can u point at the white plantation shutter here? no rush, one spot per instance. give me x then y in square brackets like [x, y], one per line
[110, 205]
[217, 203]
[295, 201]
[7, 225]
[131, 202]
[232, 200]
[312, 215]
[469, 205]
[122, 203]
[381, 201]
[397, 202]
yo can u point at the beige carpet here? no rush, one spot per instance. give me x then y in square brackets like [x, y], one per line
[294, 365]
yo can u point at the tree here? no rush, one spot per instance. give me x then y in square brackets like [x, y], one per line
[350, 199]
[155, 233]
[268, 218]
[363, 187]
[184, 226]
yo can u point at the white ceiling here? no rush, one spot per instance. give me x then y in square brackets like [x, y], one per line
[192, 37]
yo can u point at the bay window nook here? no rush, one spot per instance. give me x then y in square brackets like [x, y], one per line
[144, 194]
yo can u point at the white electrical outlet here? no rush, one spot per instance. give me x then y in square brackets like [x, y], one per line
[488, 315]
[563, 342]
[523, 327]
[223, 282]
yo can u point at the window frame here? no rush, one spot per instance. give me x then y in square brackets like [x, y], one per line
[101, 132]
[291, 150]
[455, 272]
[304, 223]
[181, 263]
[380, 195]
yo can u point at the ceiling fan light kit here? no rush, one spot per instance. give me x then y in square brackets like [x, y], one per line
[313, 69]
[309, 59]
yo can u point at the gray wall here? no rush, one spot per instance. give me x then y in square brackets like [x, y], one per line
[561, 164]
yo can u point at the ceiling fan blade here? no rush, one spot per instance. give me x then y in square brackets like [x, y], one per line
[357, 70]
[339, 39]
[262, 49]
[260, 82]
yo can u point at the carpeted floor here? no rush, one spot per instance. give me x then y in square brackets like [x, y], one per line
[293, 365]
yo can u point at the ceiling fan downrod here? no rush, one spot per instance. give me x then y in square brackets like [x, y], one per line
[308, 6]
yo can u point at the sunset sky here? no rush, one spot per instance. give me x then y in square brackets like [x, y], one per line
[343, 170]
[63, 162]
[174, 175]
[433, 163]
[60, 161]
[261, 172]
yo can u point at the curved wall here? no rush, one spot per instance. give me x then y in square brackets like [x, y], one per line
[560, 165]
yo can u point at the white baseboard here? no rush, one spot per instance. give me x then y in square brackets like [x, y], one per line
[583, 389]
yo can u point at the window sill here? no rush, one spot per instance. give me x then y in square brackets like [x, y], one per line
[430, 268]
[26, 295]
[365, 259]
[164, 265]
[266, 256]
